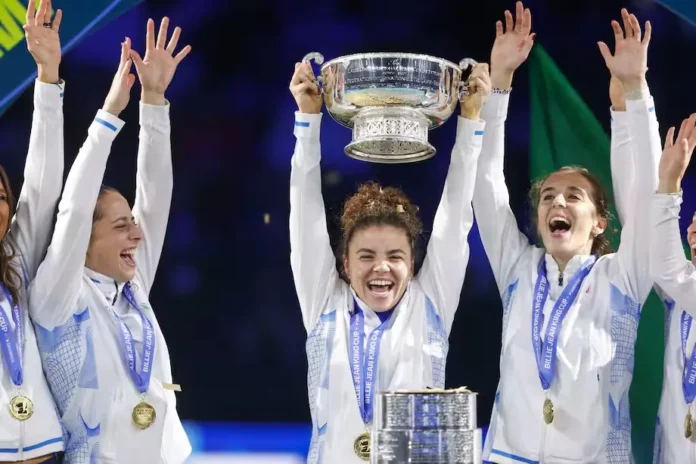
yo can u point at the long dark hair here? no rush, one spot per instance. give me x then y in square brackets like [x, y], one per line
[9, 272]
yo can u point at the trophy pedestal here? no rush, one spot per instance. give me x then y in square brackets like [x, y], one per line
[390, 135]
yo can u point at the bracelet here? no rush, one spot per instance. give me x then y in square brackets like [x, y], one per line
[501, 91]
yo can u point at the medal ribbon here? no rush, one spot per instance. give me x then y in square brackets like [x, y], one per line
[545, 351]
[364, 362]
[141, 378]
[12, 345]
[689, 376]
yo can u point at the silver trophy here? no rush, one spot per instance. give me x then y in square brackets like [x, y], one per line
[391, 100]
[430, 426]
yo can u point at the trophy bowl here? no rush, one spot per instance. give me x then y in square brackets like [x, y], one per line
[391, 101]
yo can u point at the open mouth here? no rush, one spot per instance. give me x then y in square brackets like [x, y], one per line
[380, 287]
[559, 226]
[128, 257]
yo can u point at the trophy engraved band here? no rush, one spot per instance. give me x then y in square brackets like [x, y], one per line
[391, 101]
[430, 426]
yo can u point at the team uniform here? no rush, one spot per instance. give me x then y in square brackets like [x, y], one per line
[402, 349]
[568, 337]
[675, 440]
[29, 425]
[104, 354]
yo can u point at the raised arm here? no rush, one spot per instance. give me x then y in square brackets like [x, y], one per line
[311, 258]
[154, 181]
[43, 172]
[629, 64]
[622, 169]
[444, 267]
[622, 159]
[668, 265]
[501, 237]
[54, 292]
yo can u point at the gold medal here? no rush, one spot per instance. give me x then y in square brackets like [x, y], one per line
[143, 415]
[548, 411]
[688, 425]
[21, 407]
[361, 446]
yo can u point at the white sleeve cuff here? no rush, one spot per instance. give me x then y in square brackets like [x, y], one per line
[307, 125]
[106, 123]
[496, 107]
[49, 96]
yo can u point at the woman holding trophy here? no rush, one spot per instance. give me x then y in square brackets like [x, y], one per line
[375, 326]
[571, 307]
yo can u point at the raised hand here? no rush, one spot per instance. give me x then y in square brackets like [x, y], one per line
[157, 69]
[43, 41]
[512, 45]
[119, 94]
[478, 89]
[305, 90]
[676, 156]
[629, 63]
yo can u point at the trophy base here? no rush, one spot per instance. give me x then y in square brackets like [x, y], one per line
[428, 446]
[390, 135]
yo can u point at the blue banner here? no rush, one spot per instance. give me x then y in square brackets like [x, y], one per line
[684, 8]
[80, 17]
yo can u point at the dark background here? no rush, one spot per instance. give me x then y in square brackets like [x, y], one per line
[224, 293]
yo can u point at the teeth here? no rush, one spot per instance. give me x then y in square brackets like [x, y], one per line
[128, 253]
[380, 282]
[556, 219]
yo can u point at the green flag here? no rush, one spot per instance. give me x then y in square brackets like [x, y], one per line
[564, 131]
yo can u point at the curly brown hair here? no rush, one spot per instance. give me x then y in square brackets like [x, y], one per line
[374, 205]
[599, 198]
[9, 274]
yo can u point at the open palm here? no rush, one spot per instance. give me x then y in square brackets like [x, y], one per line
[512, 44]
[677, 154]
[43, 41]
[156, 70]
[630, 58]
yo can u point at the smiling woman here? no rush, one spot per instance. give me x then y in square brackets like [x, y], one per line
[380, 231]
[377, 327]
[571, 211]
[115, 237]
[571, 306]
[103, 352]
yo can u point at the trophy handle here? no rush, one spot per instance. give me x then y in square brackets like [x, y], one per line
[466, 65]
[318, 59]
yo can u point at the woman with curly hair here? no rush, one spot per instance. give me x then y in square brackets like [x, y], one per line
[378, 327]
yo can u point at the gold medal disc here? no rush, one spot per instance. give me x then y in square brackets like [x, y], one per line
[21, 407]
[688, 425]
[143, 415]
[548, 411]
[361, 446]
